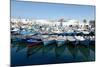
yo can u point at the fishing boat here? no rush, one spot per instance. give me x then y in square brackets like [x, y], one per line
[33, 42]
[57, 31]
[71, 40]
[18, 38]
[82, 40]
[49, 40]
[85, 33]
[70, 32]
[15, 31]
[61, 40]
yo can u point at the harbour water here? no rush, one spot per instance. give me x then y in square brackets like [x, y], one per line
[23, 54]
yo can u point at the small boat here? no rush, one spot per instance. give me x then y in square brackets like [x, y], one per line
[56, 31]
[45, 36]
[71, 40]
[85, 33]
[61, 40]
[71, 33]
[15, 31]
[49, 40]
[45, 33]
[78, 33]
[82, 40]
[34, 42]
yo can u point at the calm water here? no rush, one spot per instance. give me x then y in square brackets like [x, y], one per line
[22, 54]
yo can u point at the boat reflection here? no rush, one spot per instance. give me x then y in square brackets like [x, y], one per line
[54, 51]
[33, 49]
[21, 46]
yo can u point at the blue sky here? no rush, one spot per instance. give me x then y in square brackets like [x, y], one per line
[51, 11]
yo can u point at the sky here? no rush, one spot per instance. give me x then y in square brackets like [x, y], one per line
[51, 11]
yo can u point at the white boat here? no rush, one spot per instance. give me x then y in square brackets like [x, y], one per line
[71, 40]
[82, 40]
[56, 30]
[79, 38]
[36, 37]
[85, 32]
[15, 31]
[45, 36]
[49, 42]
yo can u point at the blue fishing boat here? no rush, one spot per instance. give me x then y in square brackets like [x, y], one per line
[34, 41]
[60, 40]
[49, 42]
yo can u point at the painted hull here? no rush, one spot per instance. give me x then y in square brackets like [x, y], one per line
[49, 42]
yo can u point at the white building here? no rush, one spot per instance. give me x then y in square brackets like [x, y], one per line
[50, 23]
